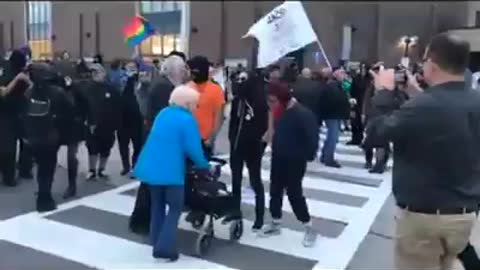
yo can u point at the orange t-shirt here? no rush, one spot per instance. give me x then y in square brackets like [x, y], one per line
[211, 100]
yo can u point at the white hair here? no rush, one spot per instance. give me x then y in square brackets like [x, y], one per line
[184, 96]
[174, 64]
[307, 73]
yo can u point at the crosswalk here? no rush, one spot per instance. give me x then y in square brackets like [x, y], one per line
[93, 230]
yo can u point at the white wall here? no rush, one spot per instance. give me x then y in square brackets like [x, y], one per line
[471, 35]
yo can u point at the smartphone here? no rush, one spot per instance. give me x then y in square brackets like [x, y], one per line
[400, 76]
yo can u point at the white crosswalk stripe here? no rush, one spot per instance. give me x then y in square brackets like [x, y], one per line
[346, 200]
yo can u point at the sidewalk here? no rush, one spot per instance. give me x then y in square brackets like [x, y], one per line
[376, 250]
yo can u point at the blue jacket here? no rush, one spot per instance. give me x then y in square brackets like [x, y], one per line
[174, 137]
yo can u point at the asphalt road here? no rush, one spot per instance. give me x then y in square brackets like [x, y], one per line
[351, 210]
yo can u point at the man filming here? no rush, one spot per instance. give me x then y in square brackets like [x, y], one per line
[436, 137]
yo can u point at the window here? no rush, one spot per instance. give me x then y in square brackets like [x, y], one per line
[159, 6]
[39, 17]
[160, 45]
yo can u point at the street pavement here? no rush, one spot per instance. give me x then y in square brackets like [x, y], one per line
[352, 211]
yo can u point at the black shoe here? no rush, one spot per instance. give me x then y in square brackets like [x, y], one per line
[354, 143]
[70, 192]
[124, 172]
[377, 169]
[257, 226]
[92, 175]
[12, 183]
[333, 164]
[322, 160]
[46, 205]
[102, 175]
[368, 165]
[26, 175]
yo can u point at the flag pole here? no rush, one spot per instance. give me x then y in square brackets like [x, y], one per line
[324, 54]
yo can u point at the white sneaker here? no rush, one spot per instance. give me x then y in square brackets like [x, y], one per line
[272, 229]
[310, 237]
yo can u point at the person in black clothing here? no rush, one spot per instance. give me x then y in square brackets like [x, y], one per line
[308, 92]
[10, 128]
[248, 124]
[131, 125]
[14, 84]
[46, 116]
[174, 74]
[357, 92]
[436, 136]
[103, 119]
[381, 107]
[75, 92]
[334, 107]
[295, 142]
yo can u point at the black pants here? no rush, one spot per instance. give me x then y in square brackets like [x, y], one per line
[7, 166]
[250, 155]
[140, 218]
[72, 163]
[100, 143]
[25, 160]
[357, 126]
[469, 258]
[287, 175]
[125, 135]
[46, 159]
[379, 162]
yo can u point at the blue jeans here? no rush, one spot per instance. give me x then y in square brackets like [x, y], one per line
[330, 144]
[164, 224]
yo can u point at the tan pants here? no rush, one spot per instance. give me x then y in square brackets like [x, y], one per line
[430, 241]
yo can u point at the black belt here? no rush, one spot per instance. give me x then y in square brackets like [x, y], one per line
[439, 211]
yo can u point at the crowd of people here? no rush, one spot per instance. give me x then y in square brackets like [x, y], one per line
[171, 114]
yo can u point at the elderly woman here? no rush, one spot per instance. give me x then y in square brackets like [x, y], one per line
[174, 137]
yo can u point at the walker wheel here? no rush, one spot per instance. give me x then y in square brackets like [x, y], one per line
[203, 243]
[236, 230]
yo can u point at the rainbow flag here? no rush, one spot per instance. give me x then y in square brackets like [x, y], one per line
[137, 31]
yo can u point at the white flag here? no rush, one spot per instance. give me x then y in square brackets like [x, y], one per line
[285, 29]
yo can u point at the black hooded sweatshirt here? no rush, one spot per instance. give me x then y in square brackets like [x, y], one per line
[131, 114]
[249, 113]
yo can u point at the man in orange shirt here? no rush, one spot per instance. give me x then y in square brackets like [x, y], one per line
[209, 113]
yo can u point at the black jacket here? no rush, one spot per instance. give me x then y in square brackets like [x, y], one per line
[131, 114]
[436, 138]
[296, 135]
[308, 93]
[249, 114]
[104, 106]
[159, 97]
[334, 103]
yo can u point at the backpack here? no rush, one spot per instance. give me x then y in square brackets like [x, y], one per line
[39, 120]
